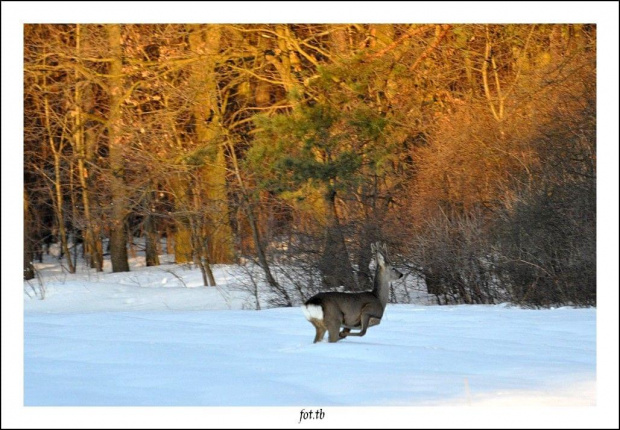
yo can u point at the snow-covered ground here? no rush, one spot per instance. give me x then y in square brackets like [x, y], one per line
[154, 336]
[418, 356]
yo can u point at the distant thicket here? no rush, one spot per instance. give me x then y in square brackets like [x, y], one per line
[470, 149]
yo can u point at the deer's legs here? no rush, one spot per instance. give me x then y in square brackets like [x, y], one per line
[344, 333]
[320, 331]
[334, 330]
[367, 320]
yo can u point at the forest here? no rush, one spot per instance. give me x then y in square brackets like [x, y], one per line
[469, 149]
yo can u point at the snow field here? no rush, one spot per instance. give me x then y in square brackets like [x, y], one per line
[156, 337]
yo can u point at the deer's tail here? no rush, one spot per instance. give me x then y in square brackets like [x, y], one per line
[312, 311]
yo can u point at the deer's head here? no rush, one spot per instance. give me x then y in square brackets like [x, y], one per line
[383, 262]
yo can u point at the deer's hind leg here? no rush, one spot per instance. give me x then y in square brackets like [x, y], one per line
[334, 333]
[320, 330]
[344, 333]
[333, 327]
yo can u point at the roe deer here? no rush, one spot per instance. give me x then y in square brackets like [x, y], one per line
[333, 310]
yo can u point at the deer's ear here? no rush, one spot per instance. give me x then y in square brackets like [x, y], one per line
[380, 259]
[373, 249]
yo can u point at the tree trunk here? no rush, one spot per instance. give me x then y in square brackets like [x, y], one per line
[57, 181]
[262, 259]
[28, 246]
[339, 39]
[169, 239]
[182, 234]
[182, 244]
[84, 145]
[205, 43]
[118, 235]
[334, 264]
[151, 239]
[199, 251]
[60, 215]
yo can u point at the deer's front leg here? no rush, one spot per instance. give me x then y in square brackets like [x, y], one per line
[344, 333]
[366, 318]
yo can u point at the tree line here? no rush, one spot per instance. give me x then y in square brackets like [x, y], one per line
[470, 149]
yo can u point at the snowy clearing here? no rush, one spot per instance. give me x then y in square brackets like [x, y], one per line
[153, 337]
[417, 356]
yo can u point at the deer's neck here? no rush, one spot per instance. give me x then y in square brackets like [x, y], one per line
[382, 286]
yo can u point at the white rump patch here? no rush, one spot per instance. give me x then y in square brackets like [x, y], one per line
[313, 312]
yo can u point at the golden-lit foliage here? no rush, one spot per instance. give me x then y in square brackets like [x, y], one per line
[231, 140]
